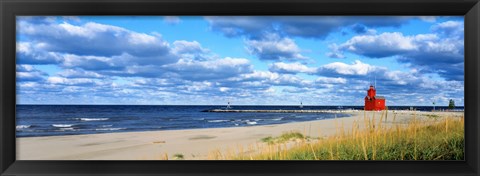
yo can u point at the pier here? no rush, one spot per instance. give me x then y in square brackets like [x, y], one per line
[277, 111]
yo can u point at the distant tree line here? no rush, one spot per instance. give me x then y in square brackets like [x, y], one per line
[451, 104]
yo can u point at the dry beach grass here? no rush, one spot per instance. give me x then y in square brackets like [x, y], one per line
[440, 138]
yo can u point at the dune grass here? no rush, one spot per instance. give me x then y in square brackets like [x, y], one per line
[438, 139]
[285, 137]
[178, 156]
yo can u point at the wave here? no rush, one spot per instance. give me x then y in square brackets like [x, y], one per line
[23, 126]
[93, 119]
[109, 129]
[218, 121]
[277, 119]
[66, 129]
[63, 125]
[104, 126]
[251, 123]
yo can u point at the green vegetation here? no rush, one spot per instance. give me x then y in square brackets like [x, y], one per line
[178, 156]
[433, 116]
[451, 104]
[419, 140]
[268, 139]
[285, 137]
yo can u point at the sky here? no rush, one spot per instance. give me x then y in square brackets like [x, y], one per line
[244, 60]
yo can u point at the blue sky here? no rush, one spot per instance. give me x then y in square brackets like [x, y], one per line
[262, 60]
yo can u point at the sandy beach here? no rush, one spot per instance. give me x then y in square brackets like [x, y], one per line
[193, 144]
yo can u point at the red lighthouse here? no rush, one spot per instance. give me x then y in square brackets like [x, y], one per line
[373, 102]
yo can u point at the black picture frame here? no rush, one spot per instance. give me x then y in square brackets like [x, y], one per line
[10, 8]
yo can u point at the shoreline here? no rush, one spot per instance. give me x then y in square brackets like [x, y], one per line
[193, 144]
[343, 112]
[160, 130]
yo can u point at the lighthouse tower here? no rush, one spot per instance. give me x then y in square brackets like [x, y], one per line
[374, 102]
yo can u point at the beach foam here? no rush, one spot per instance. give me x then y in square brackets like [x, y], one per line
[93, 119]
[63, 125]
[66, 129]
[218, 121]
[23, 126]
[109, 129]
